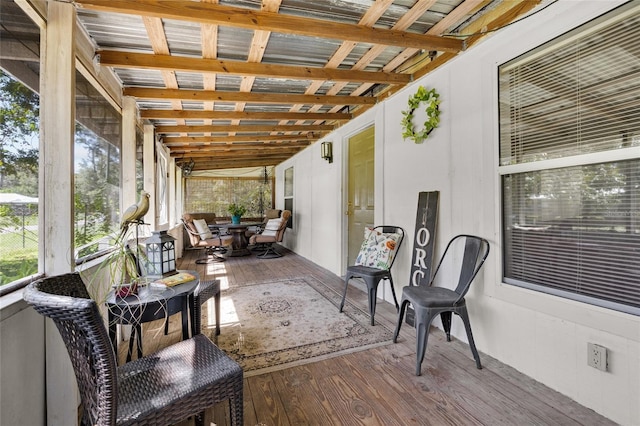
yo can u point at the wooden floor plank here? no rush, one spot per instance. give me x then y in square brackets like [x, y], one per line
[377, 386]
[303, 398]
[266, 400]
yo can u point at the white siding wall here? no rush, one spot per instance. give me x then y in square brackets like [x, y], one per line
[22, 353]
[543, 336]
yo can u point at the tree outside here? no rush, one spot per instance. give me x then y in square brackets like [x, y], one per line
[19, 139]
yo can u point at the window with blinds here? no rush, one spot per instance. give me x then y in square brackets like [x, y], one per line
[570, 164]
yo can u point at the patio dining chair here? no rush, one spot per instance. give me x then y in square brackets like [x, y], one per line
[374, 262]
[205, 240]
[466, 253]
[272, 233]
[166, 387]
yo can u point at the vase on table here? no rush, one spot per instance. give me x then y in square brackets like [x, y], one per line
[235, 219]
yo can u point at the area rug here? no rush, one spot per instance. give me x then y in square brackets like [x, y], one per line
[268, 326]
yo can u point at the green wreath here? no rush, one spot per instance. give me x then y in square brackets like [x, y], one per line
[430, 97]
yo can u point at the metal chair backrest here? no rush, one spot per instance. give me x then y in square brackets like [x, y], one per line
[476, 250]
[392, 229]
[65, 299]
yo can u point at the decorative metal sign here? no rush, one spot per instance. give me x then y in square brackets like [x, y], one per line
[423, 241]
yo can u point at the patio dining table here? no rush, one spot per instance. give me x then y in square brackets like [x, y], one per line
[238, 231]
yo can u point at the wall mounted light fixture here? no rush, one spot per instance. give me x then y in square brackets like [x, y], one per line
[326, 151]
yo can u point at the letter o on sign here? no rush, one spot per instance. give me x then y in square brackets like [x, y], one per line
[422, 237]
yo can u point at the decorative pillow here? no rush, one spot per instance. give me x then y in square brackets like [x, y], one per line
[203, 229]
[271, 228]
[378, 249]
[272, 213]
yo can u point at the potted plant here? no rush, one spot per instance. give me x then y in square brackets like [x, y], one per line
[236, 211]
[118, 271]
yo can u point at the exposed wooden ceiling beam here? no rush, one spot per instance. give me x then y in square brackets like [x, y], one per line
[242, 115]
[231, 164]
[417, 10]
[209, 41]
[257, 50]
[171, 141]
[255, 145]
[122, 59]
[273, 158]
[209, 13]
[203, 155]
[269, 98]
[502, 15]
[160, 46]
[244, 128]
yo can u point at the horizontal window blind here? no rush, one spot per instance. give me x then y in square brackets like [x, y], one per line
[574, 231]
[578, 98]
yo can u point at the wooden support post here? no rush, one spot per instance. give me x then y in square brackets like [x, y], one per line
[150, 174]
[128, 153]
[58, 90]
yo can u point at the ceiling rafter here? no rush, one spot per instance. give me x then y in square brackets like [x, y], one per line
[245, 128]
[193, 92]
[159, 44]
[368, 19]
[243, 115]
[209, 41]
[217, 152]
[407, 20]
[211, 149]
[210, 13]
[417, 10]
[256, 51]
[269, 98]
[123, 59]
[171, 141]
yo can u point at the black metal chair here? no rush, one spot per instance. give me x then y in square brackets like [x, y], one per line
[372, 276]
[428, 301]
[166, 387]
[205, 291]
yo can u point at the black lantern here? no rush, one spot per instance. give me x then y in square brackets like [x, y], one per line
[161, 254]
[326, 151]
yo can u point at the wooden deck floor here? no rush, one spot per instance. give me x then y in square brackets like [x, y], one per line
[378, 386]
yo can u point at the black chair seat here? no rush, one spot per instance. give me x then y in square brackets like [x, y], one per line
[367, 271]
[192, 372]
[431, 297]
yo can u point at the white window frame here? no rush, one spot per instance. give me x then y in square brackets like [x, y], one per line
[631, 153]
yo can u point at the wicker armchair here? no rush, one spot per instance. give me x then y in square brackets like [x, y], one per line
[166, 387]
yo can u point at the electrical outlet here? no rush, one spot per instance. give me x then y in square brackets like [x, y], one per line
[597, 356]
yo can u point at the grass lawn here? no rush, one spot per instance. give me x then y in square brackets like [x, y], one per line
[15, 261]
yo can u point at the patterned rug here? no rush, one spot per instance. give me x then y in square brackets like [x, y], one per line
[269, 326]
